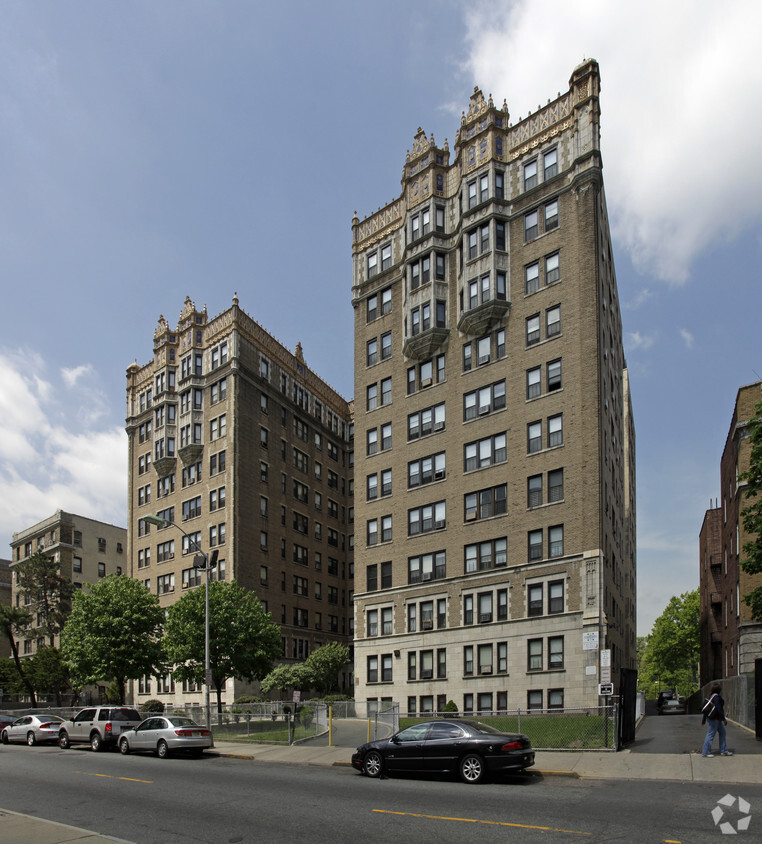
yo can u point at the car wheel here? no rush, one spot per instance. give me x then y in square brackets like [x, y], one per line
[373, 764]
[5, 737]
[472, 768]
[124, 747]
[162, 751]
[95, 742]
[63, 741]
[30, 739]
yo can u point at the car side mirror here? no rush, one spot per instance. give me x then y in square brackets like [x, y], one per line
[395, 740]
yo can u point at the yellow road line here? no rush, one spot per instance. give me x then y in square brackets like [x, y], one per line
[109, 777]
[477, 820]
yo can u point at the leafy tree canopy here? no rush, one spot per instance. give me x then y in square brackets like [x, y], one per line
[287, 676]
[49, 672]
[670, 656]
[324, 665]
[243, 640]
[113, 633]
[40, 577]
[752, 514]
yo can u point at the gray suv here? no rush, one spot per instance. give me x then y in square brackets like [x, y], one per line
[99, 726]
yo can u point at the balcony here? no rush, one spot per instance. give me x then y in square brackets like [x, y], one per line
[478, 321]
[422, 346]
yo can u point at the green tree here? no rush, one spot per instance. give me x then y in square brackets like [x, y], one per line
[49, 672]
[243, 640]
[287, 676]
[752, 514]
[113, 634]
[40, 578]
[670, 657]
[324, 664]
[10, 682]
[13, 620]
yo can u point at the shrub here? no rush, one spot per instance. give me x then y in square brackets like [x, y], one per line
[451, 706]
[247, 699]
[151, 706]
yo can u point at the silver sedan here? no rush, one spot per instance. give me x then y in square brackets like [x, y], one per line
[32, 729]
[165, 734]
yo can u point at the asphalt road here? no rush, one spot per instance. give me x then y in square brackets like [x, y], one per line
[685, 734]
[147, 800]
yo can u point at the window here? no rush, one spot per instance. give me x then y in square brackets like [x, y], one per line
[484, 400]
[499, 183]
[165, 583]
[425, 422]
[216, 499]
[485, 452]
[371, 396]
[425, 519]
[556, 541]
[386, 436]
[532, 331]
[532, 276]
[372, 669]
[372, 352]
[471, 188]
[485, 608]
[555, 653]
[101, 569]
[555, 698]
[534, 437]
[535, 599]
[534, 382]
[77, 561]
[485, 503]
[550, 163]
[552, 268]
[530, 174]
[556, 596]
[534, 655]
[386, 391]
[534, 699]
[386, 668]
[555, 430]
[534, 491]
[554, 375]
[165, 551]
[534, 539]
[192, 543]
[531, 226]
[426, 470]
[481, 556]
[386, 345]
[192, 508]
[555, 485]
[427, 567]
[217, 463]
[552, 322]
[191, 577]
[551, 215]
[468, 660]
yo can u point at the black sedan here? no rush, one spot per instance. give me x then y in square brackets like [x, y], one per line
[470, 748]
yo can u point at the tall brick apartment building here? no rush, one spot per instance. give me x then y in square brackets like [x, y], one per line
[730, 639]
[235, 440]
[495, 446]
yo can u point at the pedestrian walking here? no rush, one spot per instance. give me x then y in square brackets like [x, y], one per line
[714, 717]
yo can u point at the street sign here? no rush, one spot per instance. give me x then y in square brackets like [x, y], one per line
[606, 666]
[590, 640]
[297, 697]
[606, 689]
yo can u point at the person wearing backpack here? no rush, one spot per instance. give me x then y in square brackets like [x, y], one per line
[714, 715]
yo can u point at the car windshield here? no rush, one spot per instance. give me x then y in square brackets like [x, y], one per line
[125, 715]
[184, 722]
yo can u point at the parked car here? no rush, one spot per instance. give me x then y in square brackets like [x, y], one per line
[165, 734]
[99, 726]
[6, 720]
[670, 703]
[469, 748]
[32, 729]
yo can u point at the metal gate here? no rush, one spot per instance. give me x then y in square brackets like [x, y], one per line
[628, 691]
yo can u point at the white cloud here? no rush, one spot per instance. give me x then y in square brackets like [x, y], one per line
[51, 455]
[71, 376]
[687, 338]
[636, 340]
[674, 79]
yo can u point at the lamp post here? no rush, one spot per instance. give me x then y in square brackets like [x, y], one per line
[205, 563]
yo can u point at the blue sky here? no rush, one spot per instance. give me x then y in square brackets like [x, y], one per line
[153, 150]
